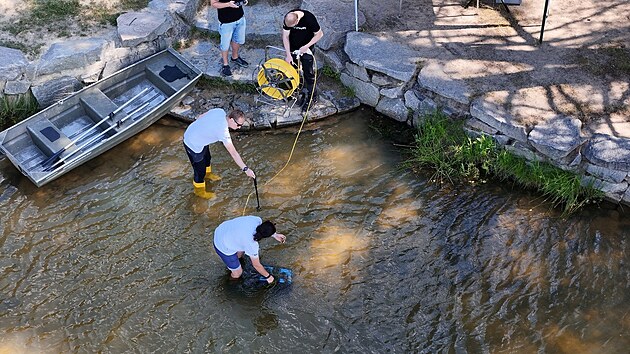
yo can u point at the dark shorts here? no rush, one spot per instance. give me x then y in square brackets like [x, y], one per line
[231, 261]
[199, 162]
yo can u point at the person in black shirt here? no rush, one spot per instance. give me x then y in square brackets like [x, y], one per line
[300, 32]
[232, 26]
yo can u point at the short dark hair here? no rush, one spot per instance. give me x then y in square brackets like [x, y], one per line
[264, 230]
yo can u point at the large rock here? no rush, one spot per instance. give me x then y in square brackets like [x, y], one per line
[71, 55]
[497, 116]
[145, 26]
[18, 87]
[55, 90]
[366, 92]
[336, 18]
[433, 77]
[609, 151]
[186, 9]
[556, 137]
[381, 55]
[393, 108]
[12, 63]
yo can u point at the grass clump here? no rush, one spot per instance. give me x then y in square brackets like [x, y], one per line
[14, 110]
[52, 10]
[215, 83]
[331, 73]
[442, 144]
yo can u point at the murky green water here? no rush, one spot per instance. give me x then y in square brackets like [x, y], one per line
[117, 256]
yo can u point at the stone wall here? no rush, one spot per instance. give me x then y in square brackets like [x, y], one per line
[403, 87]
[65, 67]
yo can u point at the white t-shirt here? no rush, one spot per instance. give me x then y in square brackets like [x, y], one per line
[237, 234]
[209, 128]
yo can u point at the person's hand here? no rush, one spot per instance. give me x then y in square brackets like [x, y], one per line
[289, 59]
[303, 50]
[270, 279]
[250, 173]
[233, 4]
[279, 237]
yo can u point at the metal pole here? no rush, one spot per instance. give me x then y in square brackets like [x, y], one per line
[544, 19]
[257, 200]
[356, 15]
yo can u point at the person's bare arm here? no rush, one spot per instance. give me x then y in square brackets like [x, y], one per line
[287, 47]
[237, 158]
[318, 35]
[261, 269]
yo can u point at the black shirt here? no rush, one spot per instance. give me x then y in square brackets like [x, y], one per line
[303, 31]
[229, 14]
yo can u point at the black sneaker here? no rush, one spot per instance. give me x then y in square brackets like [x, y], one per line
[305, 106]
[240, 62]
[226, 71]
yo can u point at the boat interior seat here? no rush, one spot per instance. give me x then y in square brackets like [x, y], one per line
[98, 106]
[167, 76]
[48, 138]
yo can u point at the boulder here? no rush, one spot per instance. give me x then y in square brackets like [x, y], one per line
[382, 55]
[608, 151]
[186, 9]
[366, 92]
[556, 137]
[393, 108]
[13, 63]
[337, 20]
[55, 90]
[139, 27]
[74, 54]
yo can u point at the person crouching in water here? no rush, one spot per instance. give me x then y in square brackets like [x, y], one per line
[209, 128]
[238, 236]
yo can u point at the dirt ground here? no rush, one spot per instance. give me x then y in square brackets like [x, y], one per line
[583, 65]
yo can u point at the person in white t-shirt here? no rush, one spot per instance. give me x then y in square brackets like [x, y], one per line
[209, 128]
[238, 236]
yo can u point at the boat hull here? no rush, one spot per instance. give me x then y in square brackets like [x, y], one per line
[95, 119]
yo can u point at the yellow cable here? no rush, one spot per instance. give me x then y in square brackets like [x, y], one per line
[298, 133]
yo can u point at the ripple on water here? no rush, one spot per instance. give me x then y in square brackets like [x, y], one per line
[117, 256]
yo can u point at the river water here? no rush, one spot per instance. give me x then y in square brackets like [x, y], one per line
[116, 256]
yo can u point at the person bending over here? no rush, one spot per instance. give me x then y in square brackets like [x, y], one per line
[300, 32]
[209, 128]
[238, 236]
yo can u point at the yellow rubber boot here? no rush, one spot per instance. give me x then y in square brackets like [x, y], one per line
[211, 176]
[200, 190]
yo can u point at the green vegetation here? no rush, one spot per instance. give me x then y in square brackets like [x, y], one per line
[606, 61]
[215, 83]
[442, 144]
[134, 4]
[330, 72]
[53, 10]
[14, 110]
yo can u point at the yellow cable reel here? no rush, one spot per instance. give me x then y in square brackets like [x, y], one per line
[278, 79]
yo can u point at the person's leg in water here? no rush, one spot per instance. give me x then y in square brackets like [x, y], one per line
[207, 160]
[232, 263]
[198, 162]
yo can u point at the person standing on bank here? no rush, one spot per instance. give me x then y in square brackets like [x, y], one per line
[209, 128]
[232, 26]
[300, 32]
[238, 236]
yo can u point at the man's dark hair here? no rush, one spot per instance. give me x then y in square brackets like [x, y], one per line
[237, 113]
[264, 230]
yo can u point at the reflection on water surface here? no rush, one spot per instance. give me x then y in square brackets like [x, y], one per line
[116, 256]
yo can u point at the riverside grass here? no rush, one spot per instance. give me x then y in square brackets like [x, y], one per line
[442, 144]
[14, 110]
